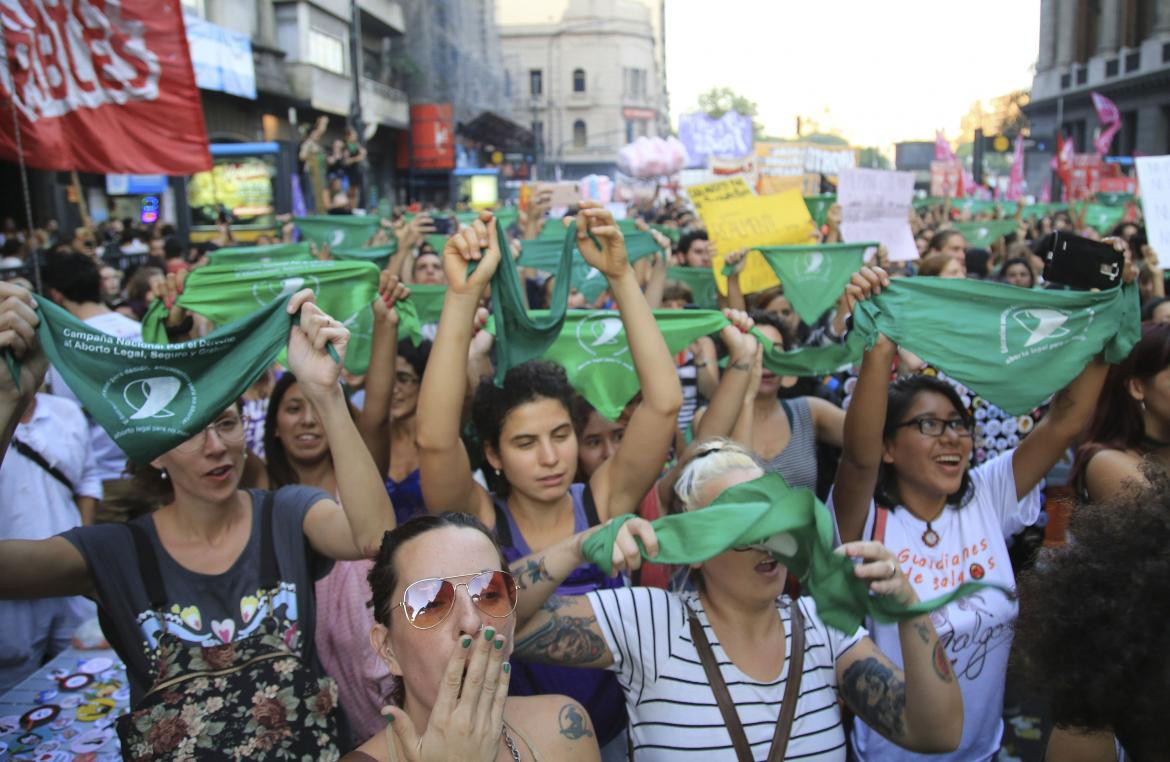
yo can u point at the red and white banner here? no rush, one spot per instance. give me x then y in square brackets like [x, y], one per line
[100, 86]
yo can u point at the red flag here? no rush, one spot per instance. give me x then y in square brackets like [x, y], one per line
[1015, 190]
[100, 86]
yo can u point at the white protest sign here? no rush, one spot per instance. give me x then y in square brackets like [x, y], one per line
[1154, 181]
[875, 206]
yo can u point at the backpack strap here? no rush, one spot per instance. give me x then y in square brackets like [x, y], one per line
[881, 516]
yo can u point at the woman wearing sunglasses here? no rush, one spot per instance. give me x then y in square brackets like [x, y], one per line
[757, 636]
[209, 599]
[445, 608]
[905, 480]
[527, 431]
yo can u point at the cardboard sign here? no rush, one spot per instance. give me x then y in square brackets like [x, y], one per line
[743, 223]
[1154, 181]
[721, 190]
[875, 206]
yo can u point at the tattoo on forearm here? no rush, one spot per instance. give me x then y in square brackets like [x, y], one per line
[572, 723]
[876, 695]
[562, 640]
[531, 573]
[942, 665]
[740, 366]
[923, 631]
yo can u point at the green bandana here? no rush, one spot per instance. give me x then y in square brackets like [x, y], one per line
[345, 230]
[922, 203]
[974, 206]
[1100, 217]
[815, 276]
[981, 235]
[701, 282]
[818, 206]
[150, 398]
[226, 293]
[1114, 198]
[519, 336]
[379, 256]
[796, 529]
[672, 233]
[1036, 211]
[428, 301]
[246, 255]
[1014, 347]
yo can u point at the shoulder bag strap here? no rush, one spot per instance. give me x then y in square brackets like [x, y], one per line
[792, 687]
[148, 567]
[269, 569]
[27, 451]
[743, 749]
[591, 517]
[880, 517]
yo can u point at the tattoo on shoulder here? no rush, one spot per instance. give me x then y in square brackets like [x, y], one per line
[530, 573]
[942, 665]
[566, 640]
[877, 695]
[572, 723]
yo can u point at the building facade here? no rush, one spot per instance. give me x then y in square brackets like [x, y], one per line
[1119, 48]
[587, 84]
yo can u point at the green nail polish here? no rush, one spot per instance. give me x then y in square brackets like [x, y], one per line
[467, 642]
[507, 668]
[499, 644]
[489, 633]
[390, 717]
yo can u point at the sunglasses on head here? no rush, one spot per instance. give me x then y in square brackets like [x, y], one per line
[427, 602]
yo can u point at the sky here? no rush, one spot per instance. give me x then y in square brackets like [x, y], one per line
[875, 71]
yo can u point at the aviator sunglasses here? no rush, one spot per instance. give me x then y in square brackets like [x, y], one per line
[427, 602]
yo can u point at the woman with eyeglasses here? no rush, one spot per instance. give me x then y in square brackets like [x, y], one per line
[905, 480]
[209, 599]
[527, 433]
[653, 640]
[445, 606]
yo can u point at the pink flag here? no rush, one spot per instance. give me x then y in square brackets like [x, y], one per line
[942, 149]
[1046, 193]
[1015, 190]
[1110, 119]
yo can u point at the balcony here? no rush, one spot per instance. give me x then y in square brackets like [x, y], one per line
[386, 12]
[330, 92]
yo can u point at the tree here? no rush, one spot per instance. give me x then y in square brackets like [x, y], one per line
[872, 158]
[719, 100]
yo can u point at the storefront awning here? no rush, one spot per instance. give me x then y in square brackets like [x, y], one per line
[494, 130]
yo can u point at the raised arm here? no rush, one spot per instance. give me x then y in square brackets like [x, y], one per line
[355, 529]
[728, 400]
[919, 707]
[557, 629]
[622, 481]
[374, 418]
[861, 453]
[18, 321]
[445, 468]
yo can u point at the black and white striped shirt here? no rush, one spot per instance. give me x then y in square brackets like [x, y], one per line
[673, 713]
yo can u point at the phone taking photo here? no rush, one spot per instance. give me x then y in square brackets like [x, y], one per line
[1080, 263]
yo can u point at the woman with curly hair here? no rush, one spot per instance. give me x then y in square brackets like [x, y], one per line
[1131, 424]
[1113, 707]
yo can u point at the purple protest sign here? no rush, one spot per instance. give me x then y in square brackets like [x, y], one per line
[728, 136]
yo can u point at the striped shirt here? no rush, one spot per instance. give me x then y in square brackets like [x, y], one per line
[673, 712]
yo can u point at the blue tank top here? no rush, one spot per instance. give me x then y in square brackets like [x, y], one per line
[406, 496]
[596, 689]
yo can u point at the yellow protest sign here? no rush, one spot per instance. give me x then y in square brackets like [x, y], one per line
[746, 222]
[701, 195]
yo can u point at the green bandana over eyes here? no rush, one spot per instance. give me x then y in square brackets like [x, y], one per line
[376, 255]
[248, 255]
[818, 206]
[1101, 217]
[346, 230]
[222, 294]
[701, 282]
[814, 277]
[521, 337]
[981, 235]
[150, 398]
[796, 529]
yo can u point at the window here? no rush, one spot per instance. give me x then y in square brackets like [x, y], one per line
[538, 133]
[579, 135]
[578, 80]
[535, 82]
[636, 128]
[326, 51]
[634, 82]
[629, 131]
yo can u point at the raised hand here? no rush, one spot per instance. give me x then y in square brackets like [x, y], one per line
[879, 566]
[18, 322]
[390, 291]
[596, 226]
[468, 717]
[308, 357]
[627, 557]
[477, 242]
[741, 344]
[168, 290]
[866, 282]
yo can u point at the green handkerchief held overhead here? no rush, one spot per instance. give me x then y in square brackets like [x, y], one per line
[244, 255]
[348, 230]
[795, 528]
[983, 234]
[149, 397]
[815, 276]
[701, 282]
[379, 256]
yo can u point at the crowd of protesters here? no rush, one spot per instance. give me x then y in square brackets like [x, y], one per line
[365, 504]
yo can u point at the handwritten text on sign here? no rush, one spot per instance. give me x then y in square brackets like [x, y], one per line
[744, 223]
[1154, 180]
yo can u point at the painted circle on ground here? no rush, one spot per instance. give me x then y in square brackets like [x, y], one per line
[96, 665]
[41, 715]
[76, 681]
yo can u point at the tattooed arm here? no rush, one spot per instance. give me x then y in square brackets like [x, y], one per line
[921, 708]
[564, 631]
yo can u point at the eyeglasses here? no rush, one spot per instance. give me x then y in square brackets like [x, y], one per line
[934, 427]
[406, 379]
[230, 431]
[427, 602]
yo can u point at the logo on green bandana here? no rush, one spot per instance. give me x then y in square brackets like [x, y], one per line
[269, 291]
[337, 238]
[1025, 331]
[812, 266]
[153, 397]
[602, 336]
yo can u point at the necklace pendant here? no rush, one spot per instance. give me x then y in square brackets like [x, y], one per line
[930, 537]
